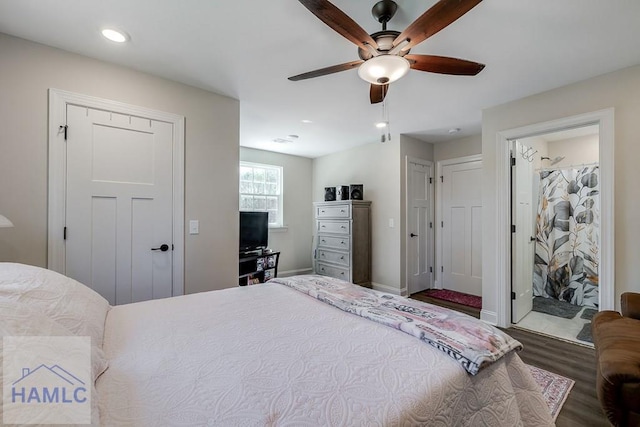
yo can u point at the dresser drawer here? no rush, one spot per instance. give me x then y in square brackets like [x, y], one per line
[329, 270]
[338, 227]
[334, 211]
[341, 258]
[333, 242]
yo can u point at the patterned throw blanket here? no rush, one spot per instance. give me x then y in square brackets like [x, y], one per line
[471, 342]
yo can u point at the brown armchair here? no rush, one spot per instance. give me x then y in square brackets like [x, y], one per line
[617, 341]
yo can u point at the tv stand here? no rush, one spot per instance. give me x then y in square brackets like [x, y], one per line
[257, 267]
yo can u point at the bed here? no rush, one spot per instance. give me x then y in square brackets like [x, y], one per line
[288, 352]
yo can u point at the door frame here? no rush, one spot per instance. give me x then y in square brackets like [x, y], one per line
[605, 120]
[439, 215]
[58, 101]
[429, 164]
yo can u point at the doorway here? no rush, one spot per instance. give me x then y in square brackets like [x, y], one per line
[556, 235]
[419, 187]
[460, 221]
[116, 197]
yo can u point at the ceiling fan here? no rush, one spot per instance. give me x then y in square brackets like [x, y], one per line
[384, 55]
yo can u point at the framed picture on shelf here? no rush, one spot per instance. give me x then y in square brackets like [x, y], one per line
[268, 274]
[271, 261]
[260, 264]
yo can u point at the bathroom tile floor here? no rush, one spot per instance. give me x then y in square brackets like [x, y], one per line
[566, 329]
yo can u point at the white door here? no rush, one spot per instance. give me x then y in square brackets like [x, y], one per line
[419, 226]
[462, 227]
[119, 204]
[523, 240]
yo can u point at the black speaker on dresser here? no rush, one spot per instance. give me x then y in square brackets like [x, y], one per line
[329, 194]
[356, 191]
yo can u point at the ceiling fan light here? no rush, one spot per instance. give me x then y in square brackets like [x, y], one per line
[383, 69]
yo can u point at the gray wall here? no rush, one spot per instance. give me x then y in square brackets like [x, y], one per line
[620, 90]
[376, 166]
[461, 147]
[211, 160]
[294, 242]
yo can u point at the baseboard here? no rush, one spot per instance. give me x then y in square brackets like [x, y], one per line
[290, 273]
[489, 317]
[388, 289]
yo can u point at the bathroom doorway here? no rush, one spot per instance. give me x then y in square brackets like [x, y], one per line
[555, 259]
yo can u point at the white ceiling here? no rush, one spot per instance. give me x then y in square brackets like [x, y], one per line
[246, 49]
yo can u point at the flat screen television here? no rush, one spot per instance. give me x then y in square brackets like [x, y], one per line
[254, 230]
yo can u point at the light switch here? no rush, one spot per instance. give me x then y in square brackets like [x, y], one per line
[391, 223]
[194, 226]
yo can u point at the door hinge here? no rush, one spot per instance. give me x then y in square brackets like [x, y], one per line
[513, 228]
[513, 161]
[442, 269]
[430, 180]
[441, 224]
[64, 128]
[64, 233]
[430, 269]
[430, 225]
[441, 178]
[513, 295]
[172, 247]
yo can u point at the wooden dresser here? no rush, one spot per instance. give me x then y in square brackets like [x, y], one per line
[343, 240]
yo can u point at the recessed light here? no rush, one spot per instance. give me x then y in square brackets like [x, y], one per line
[114, 35]
[454, 130]
[381, 125]
[306, 121]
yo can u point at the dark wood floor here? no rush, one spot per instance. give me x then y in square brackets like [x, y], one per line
[577, 362]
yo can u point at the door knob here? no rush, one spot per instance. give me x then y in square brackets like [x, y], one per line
[164, 248]
[413, 235]
[532, 239]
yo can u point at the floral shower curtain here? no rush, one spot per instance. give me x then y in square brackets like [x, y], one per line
[567, 236]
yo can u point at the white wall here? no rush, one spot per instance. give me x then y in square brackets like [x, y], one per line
[211, 159]
[620, 90]
[294, 241]
[377, 167]
[576, 151]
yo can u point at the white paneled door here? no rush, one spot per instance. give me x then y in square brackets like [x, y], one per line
[419, 228]
[523, 240]
[119, 204]
[462, 227]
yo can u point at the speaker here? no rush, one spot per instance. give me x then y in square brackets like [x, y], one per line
[356, 191]
[329, 194]
[343, 192]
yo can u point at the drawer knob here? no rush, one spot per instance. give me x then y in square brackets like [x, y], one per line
[324, 241]
[342, 273]
[322, 211]
[342, 257]
[322, 254]
[324, 226]
[342, 243]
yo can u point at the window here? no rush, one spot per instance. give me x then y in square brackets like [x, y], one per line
[261, 190]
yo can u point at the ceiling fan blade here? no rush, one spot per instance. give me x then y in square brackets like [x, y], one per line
[378, 92]
[444, 65]
[433, 20]
[328, 70]
[339, 22]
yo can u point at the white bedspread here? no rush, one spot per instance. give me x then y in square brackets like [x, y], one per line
[269, 355]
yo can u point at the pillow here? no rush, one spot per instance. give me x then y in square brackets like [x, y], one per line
[18, 319]
[64, 300]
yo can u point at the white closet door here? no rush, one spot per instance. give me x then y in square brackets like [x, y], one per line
[420, 239]
[462, 227]
[119, 204]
